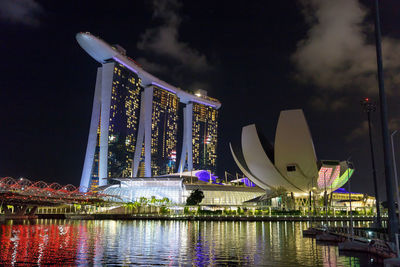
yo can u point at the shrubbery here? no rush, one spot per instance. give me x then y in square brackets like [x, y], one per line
[164, 210]
[209, 212]
[258, 212]
[286, 212]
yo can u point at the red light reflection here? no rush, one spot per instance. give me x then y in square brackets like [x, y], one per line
[43, 244]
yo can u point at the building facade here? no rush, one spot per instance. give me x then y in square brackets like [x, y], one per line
[204, 137]
[158, 129]
[135, 122]
[292, 163]
[123, 123]
[178, 189]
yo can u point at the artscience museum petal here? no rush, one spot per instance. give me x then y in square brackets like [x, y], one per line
[292, 162]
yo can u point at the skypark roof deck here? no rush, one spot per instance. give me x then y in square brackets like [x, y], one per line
[103, 52]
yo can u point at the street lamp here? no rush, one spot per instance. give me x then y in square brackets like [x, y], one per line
[368, 107]
[395, 173]
[393, 223]
[326, 199]
[351, 213]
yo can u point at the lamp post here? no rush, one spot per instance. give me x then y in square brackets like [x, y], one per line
[395, 174]
[326, 199]
[351, 213]
[393, 226]
[368, 107]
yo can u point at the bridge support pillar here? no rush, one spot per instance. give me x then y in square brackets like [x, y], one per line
[33, 210]
[6, 209]
[20, 210]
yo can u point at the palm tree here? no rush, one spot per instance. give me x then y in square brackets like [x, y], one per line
[153, 200]
[144, 202]
[165, 201]
[136, 205]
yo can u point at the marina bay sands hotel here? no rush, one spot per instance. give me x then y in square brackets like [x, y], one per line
[141, 125]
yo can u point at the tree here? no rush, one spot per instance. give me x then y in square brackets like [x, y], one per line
[153, 200]
[165, 201]
[195, 198]
[136, 205]
[143, 201]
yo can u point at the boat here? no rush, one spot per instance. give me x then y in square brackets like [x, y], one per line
[377, 247]
[329, 237]
[313, 231]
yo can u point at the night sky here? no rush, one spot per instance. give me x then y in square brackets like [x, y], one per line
[256, 57]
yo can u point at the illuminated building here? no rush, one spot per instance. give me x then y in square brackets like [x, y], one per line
[123, 124]
[177, 189]
[341, 198]
[292, 162]
[135, 121]
[114, 124]
[204, 136]
[162, 132]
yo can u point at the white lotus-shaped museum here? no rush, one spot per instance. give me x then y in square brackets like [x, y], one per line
[292, 162]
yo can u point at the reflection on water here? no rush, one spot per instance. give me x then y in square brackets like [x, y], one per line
[167, 243]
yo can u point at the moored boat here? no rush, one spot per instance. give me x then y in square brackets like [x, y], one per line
[375, 246]
[329, 237]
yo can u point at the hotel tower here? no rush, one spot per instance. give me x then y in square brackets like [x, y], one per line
[137, 118]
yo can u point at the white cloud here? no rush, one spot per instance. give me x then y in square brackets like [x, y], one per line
[337, 54]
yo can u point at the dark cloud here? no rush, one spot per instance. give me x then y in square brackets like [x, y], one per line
[164, 39]
[25, 12]
[360, 131]
[152, 67]
[199, 85]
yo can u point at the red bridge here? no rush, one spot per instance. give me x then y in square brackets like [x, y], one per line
[25, 196]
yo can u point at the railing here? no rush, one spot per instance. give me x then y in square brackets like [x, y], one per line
[367, 233]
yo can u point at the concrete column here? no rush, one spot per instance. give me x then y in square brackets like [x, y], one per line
[139, 140]
[184, 147]
[92, 138]
[21, 210]
[187, 152]
[147, 130]
[145, 121]
[33, 210]
[106, 88]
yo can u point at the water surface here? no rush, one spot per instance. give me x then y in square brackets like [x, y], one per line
[174, 243]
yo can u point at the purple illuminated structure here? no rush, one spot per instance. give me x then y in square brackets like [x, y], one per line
[247, 182]
[205, 176]
[343, 191]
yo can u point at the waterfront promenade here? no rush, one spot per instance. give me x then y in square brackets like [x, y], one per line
[293, 218]
[122, 213]
[242, 213]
